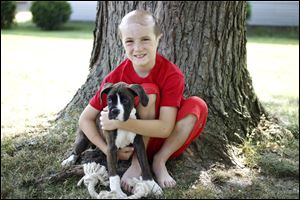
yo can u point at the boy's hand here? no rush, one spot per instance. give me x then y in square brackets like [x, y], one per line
[125, 153]
[106, 123]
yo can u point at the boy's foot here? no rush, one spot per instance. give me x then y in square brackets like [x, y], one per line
[163, 177]
[134, 171]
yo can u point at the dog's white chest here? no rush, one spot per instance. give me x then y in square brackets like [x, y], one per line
[124, 138]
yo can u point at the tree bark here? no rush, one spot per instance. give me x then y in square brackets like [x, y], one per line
[207, 40]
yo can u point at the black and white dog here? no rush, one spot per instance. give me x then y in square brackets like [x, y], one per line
[120, 98]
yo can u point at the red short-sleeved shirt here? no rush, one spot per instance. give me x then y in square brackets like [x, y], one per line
[166, 75]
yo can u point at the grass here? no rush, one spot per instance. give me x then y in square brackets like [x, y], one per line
[74, 29]
[34, 81]
[33, 144]
[273, 34]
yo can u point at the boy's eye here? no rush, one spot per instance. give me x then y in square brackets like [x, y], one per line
[128, 41]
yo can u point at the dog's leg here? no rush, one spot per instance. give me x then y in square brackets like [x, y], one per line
[114, 178]
[112, 153]
[140, 150]
[81, 144]
[148, 184]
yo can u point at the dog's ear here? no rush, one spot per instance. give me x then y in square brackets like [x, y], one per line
[139, 91]
[105, 90]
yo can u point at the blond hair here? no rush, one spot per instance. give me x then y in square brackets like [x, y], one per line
[141, 17]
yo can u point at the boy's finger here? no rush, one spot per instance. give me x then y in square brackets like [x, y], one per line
[106, 108]
[127, 149]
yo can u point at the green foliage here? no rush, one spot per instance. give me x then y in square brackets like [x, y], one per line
[8, 11]
[50, 15]
[248, 11]
[250, 154]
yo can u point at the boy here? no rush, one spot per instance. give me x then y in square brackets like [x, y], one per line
[169, 123]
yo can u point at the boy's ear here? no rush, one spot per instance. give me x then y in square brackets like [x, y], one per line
[105, 90]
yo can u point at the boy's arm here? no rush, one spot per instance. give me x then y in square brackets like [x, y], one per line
[87, 123]
[160, 128]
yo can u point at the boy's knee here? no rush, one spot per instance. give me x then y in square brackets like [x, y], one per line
[194, 100]
[185, 125]
[192, 115]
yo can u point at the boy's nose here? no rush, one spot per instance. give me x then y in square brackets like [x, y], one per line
[138, 46]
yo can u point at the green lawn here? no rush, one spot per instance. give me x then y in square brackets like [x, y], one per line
[273, 62]
[273, 35]
[73, 30]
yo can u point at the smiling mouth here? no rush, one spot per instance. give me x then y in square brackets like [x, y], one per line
[140, 56]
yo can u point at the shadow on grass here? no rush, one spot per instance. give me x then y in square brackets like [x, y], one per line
[26, 158]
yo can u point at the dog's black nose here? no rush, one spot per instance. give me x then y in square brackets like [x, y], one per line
[115, 111]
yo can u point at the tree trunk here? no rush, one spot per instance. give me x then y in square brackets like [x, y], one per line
[207, 40]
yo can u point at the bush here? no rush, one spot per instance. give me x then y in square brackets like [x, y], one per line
[50, 15]
[8, 11]
[248, 11]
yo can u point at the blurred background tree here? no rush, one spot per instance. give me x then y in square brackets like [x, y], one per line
[8, 11]
[50, 15]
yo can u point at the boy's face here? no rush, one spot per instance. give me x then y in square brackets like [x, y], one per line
[140, 44]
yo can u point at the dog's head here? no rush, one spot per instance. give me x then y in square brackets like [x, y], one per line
[120, 99]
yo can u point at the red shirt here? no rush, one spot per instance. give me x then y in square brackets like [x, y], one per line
[166, 75]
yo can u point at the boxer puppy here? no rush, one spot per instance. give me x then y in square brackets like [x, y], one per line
[120, 100]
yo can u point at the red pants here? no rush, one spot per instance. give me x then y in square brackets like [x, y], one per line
[192, 105]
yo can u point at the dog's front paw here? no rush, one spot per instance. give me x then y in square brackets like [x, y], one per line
[143, 188]
[69, 161]
[121, 194]
[115, 186]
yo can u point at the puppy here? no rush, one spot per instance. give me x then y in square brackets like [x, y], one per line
[120, 99]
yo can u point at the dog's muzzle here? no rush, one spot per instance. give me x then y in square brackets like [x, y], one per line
[113, 113]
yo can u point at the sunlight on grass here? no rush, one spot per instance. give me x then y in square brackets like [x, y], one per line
[274, 69]
[39, 77]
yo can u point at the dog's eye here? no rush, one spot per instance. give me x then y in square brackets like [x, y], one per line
[109, 100]
[124, 101]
